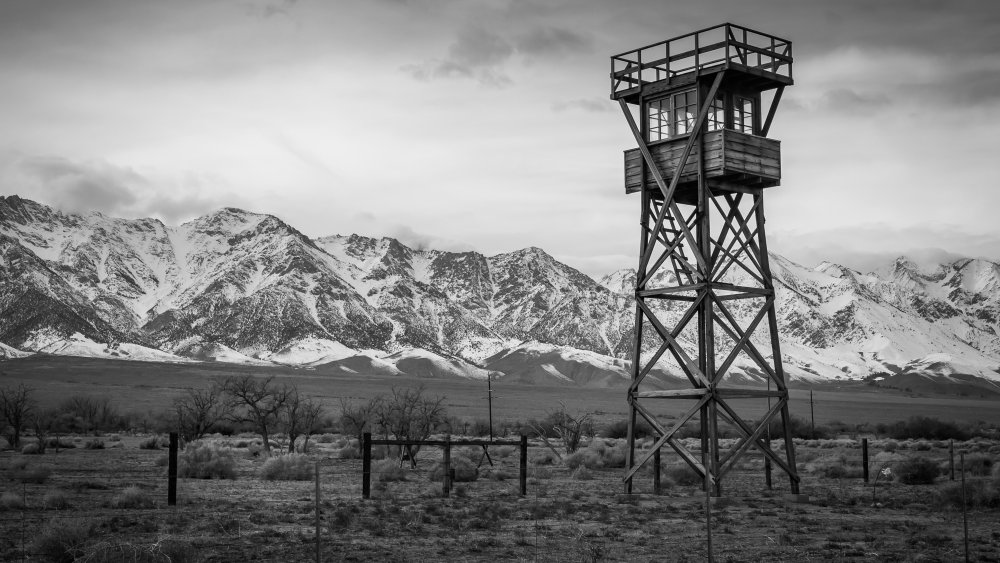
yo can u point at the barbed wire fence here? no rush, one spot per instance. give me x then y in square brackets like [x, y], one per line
[562, 518]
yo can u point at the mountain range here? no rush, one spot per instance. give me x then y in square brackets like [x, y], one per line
[236, 286]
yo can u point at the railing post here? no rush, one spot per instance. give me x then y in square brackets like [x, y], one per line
[864, 457]
[524, 465]
[697, 55]
[172, 471]
[366, 465]
[447, 467]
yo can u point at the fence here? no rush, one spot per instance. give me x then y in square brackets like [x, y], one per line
[446, 445]
[568, 514]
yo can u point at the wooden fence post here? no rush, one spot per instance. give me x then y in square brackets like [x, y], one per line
[446, 479]
[172, 471]
[656, 472]
[965, 512]
[366, 465]
[524, 465]
[864, 458]
[951, 458]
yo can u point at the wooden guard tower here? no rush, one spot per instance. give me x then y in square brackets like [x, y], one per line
[704, 103]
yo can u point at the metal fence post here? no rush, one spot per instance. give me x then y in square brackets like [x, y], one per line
[366, 465]
[524, 465]
[656, 472]
[447, 467]
[864, 458]
[172, 471]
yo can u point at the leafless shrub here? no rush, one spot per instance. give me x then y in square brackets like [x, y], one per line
[288, 467]
[463, 467]
[151, 443]
[206, 461]
[55, 500]
[132, 497]
[63, 539]
[389, 470]
[568, 428]
[582, 474]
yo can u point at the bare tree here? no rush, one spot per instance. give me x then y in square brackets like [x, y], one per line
[301, 417]
[199, 409]
[408, 414]
[358, 418]
[568, 428]
[16, 407]
[46, 423]
[90, 413]
[259, 402]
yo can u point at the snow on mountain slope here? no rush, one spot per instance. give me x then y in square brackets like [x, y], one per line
[246, 287]
[312, 351]
[215, 352]
[538, 363]
[51, 342]
[8, 352]
[358, 364]
[473, 305]
[423, 363]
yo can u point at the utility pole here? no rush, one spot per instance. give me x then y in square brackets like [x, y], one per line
[489, 396]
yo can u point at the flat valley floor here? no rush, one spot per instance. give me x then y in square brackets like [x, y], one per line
[116, 496]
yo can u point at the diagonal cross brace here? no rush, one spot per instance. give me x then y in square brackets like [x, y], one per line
[741, 343]
[766, 448]
[666, 438]
[681, 323]
[690, 367]
[747, 440]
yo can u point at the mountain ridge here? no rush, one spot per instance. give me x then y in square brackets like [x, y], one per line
[249, 287]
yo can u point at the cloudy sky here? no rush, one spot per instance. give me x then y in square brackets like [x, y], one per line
[486, 124]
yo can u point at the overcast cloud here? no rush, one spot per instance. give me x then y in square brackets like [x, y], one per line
[486, 124]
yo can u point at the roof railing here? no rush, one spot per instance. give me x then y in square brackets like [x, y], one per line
[699, 51]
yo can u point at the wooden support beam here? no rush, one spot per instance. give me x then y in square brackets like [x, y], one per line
[671, 394]
[770, 112]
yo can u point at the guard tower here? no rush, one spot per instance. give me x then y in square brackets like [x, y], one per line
[700, 106]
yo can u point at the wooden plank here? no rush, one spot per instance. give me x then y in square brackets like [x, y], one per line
[672, 394]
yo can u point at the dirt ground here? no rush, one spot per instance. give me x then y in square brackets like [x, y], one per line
[567, 515]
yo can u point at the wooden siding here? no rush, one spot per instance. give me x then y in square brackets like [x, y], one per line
[754, 161]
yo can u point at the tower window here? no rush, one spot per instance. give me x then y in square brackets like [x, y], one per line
[658, 128]
[672, 116]
[743, 114]
[685, 109]
[717, 114]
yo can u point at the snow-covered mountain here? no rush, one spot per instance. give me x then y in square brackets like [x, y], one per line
[244, 287]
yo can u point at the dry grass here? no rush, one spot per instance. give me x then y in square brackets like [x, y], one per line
[568, 515]
[132, 497]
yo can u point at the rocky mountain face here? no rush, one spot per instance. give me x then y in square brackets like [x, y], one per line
[247, 287]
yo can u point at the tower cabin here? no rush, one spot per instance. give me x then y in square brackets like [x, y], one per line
[670, 82]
